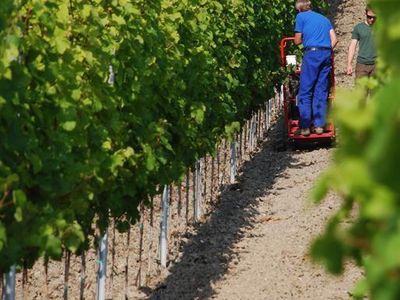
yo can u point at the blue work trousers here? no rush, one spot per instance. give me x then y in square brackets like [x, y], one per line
[314, 88]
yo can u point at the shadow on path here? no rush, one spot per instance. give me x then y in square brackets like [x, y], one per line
[207, 255]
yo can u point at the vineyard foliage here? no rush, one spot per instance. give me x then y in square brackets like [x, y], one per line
[366, 172]
[103, 102]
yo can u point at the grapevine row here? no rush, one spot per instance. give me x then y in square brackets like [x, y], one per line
[104, 102]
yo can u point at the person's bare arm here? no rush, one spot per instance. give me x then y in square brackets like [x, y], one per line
[350, 56]
[298, 38]
[334, 39]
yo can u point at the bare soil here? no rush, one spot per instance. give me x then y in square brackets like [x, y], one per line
[256, 244]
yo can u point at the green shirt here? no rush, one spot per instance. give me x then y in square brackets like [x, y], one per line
[366, 52]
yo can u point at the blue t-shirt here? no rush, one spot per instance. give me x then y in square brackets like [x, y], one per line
[314, 28]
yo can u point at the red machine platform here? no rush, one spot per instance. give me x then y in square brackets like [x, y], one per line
[290, 91]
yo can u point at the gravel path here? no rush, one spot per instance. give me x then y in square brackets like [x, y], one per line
[275, 263]
[255, 245]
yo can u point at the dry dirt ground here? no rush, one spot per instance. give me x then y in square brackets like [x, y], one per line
[256, 244]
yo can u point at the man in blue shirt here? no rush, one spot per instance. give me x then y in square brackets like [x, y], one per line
[316, 33]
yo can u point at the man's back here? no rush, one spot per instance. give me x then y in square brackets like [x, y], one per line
[314, 28]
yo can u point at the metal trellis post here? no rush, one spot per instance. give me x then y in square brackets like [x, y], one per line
[164, 227]
[253, 132]
[233, 161]
[198, 187]
[9, 285]
[102, 267]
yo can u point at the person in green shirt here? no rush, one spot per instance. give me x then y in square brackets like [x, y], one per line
[362, 35]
